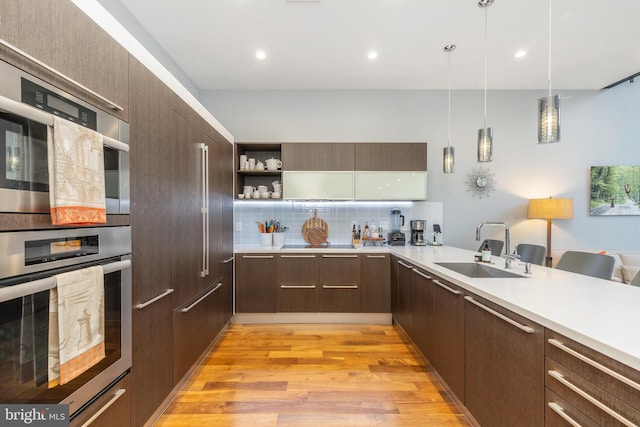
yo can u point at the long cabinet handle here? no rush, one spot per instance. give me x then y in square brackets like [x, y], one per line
[610, 372]
[405, 265]
[154, 299]
[297, 256]
[558, 376]
[512, 322]
[339, 286]
[376, 256]
[205, 210]
[257, 256]
[228, 260]
[117, 395]
[202, 298]
[8, 293]
[339, 256]
[112, 104]
[446, 288]
[297, 286]
[420, 273]
[560, 411]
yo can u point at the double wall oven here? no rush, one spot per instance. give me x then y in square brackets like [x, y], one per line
[30, 260]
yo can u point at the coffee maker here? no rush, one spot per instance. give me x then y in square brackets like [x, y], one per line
[395, 237]
[417, 232]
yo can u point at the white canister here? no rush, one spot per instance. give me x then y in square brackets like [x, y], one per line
[243, 161]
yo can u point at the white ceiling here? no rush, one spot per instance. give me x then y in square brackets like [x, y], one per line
[324, 44]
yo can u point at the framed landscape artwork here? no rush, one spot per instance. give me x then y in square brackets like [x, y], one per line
[615, 190]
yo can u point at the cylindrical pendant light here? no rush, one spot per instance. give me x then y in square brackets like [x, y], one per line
[485, 135]
[549, 107]
[449, 153]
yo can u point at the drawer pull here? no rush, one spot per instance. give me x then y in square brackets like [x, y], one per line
[339, 256]
[154, 299]
[257, 256]
[377, 256]
[106, 406]
[560, 411]
[445, 287]
[419, 273]
[558, 376]
[297, 256]
[405, 265]
[593, 363]
[297, 286]
[202, 298]
[339, 286]
[512, 322]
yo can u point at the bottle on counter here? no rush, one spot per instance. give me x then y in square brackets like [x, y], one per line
[366, 230]
[486, 252]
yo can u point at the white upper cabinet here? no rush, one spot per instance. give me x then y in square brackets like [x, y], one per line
[391, 185]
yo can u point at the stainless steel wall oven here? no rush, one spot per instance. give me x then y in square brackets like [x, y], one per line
[27, 106]
[29, 261]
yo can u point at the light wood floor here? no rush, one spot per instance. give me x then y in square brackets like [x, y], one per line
[312, 375]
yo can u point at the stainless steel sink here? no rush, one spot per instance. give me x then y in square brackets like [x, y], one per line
[478, 270]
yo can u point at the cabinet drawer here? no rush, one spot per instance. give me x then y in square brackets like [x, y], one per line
[616, 379]
[560, 413]
[589, 398]
[113, 408]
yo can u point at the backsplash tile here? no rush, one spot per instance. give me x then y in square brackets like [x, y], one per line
[339, 216]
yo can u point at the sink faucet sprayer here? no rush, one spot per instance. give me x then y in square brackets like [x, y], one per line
[507, 255]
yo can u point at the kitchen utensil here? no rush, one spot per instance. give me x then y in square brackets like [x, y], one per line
[315, 223]
[317, 236]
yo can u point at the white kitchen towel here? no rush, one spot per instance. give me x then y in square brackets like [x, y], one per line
[76, 174]
[76, 324]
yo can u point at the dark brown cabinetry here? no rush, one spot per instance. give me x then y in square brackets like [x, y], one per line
[318, 156]
[375, 283]
[504, 366]
[298, 289]
[423, 313]
[391, 157]
[340, 283]
[448, 334]
[587, 388]
[110, 409]
[256, 283]
[404, 314]
[60, 35]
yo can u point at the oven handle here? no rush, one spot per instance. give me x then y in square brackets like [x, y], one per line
[112, 104]
[18, 291]
[28, 112]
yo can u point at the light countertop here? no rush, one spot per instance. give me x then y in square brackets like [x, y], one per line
[601, 314]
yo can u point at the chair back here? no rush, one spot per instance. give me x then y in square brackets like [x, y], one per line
[589, 264]
[531, 253]
[636, 280]
[494, 245]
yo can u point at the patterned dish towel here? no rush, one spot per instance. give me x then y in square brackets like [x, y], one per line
[76, 175]
[76, 324]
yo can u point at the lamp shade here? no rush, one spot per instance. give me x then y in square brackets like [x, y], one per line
[550, 208]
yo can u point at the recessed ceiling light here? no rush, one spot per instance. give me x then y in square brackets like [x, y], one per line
[260, 54]
[521, 53]
[372, 55]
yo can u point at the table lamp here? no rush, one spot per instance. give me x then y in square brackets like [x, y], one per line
[550, 209]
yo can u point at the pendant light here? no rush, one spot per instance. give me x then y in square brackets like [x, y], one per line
[485, 135]
[449, 154]
[549, 107]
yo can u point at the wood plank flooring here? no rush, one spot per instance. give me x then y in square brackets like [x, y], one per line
[312, 375]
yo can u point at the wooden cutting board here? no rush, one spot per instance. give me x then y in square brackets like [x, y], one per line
[315, 230]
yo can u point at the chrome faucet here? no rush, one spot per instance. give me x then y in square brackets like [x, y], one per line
[508, 257]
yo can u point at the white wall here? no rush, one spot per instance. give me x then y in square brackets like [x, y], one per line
[598, 128]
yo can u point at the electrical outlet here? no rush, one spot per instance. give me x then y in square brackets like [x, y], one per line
[238, 226]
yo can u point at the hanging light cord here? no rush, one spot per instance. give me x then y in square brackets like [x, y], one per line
[549, 75]
[449, 120]
[486, 13]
